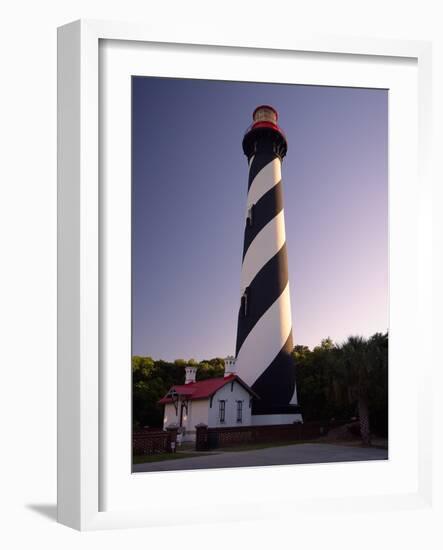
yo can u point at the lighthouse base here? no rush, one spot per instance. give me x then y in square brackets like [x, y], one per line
[273, 419]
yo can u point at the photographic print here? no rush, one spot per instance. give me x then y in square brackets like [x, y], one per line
[259, 274]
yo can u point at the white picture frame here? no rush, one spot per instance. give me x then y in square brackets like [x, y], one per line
[82, 397]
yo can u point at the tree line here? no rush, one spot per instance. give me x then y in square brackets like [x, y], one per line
[342, 381]
[334, 382]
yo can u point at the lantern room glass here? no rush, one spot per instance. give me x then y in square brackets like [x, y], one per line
[265, 114]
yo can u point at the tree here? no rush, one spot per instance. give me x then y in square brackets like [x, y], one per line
[300, 353]
[356, 368]
[378, 396]
[211, 368]
[318, 390]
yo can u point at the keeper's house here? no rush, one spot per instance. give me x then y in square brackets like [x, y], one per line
[223, 401]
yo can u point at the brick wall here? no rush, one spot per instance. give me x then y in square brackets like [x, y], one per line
[213, 438]
[148, 442]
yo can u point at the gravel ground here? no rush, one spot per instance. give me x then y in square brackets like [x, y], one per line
[305, 453]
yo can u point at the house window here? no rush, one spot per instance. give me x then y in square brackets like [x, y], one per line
[239, 411]
[244, 302]
[222, 412]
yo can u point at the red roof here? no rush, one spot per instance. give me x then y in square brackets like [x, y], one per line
[204, 388]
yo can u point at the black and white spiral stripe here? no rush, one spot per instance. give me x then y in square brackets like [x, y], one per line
[264, 334]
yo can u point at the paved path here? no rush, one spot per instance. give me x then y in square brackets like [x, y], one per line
[305, 453]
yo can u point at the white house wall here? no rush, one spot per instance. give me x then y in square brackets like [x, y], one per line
[238, 393]
[170, 416]
[198, 413]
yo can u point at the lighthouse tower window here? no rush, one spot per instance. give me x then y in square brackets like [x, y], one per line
[250, 217]
[244, 302]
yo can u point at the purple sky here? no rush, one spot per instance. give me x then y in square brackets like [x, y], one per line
[189, 196]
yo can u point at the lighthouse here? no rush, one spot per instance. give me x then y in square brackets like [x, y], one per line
[264, 330]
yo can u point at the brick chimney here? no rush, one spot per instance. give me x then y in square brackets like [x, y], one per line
[229, 365]
[190, 374]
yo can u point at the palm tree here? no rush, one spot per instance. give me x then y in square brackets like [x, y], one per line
[378, 357]
[356, 362]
